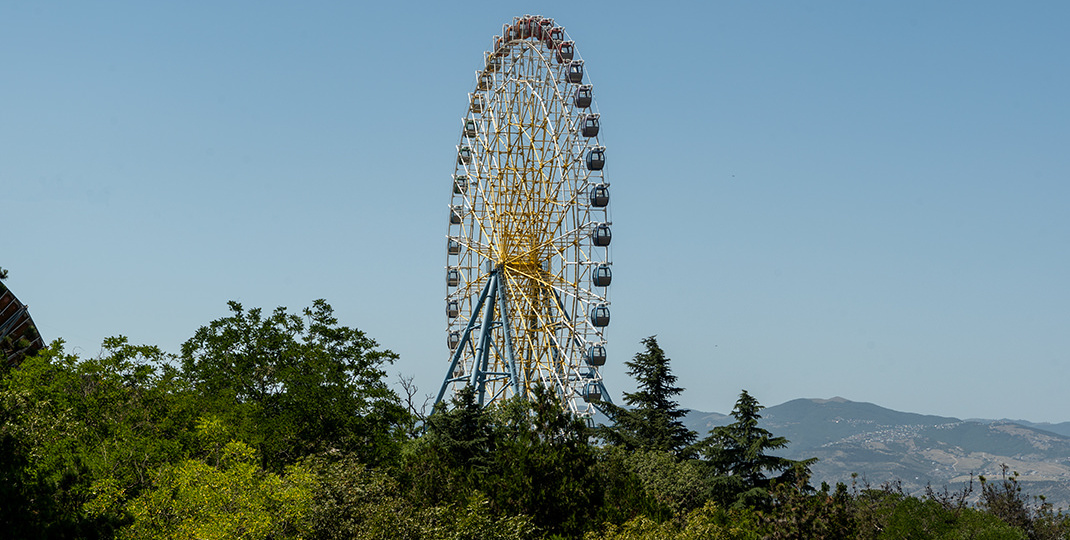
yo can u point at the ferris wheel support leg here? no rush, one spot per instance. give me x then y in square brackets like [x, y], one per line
[465, 338]
[479, 379]
[605, 395]
[507, 330]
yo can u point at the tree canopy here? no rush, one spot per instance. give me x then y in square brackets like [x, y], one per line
[738, 455]
[282, 426]
[296, 385]
[654, 420]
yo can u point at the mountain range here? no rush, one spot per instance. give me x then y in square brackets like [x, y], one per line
[870, 445]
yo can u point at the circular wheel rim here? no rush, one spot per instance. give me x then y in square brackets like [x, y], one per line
[521, 210]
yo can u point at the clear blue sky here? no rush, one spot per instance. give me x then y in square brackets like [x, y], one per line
[811, 199]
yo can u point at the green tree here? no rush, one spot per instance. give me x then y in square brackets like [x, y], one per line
[824, 515]
[75, 426]
[530, 457]
[542, 465]
[296, 386]
[654, 420]
[1004, 499]
[625, 490]
[449, 460]
[738, 456]
[354, 502]
[234, 499]
[678, 486]
[710, 522]
[463, 433]
[926, 518]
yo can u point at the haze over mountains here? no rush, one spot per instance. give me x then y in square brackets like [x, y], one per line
[882, 445]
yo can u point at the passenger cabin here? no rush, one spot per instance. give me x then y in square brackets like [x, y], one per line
[602, 236]
[460, 185]
[453, 277]
[545, 26]
[590, 125]
[603, 276]
[584, 96]
[476, 102]
[453, 340]
[592, 392]
[565, 51]
[453, 247]
[557, 35]
[469, 128]
[455, 215]
[596, 158]
[596, 355]
[575, 71]
[464, 156]
[600, 315]
[452, 309]
[599, 195]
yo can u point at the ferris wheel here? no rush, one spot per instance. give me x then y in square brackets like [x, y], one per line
[528, 264]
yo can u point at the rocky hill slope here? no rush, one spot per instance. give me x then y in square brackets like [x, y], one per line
[881, 445]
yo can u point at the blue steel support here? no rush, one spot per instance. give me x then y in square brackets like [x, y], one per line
[479, 380]
[605, 396]
[507, 329]
[464, 340]
[493, 295]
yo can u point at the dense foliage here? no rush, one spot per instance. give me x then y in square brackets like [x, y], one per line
[283, 426]
[737, 453]
[654, 420]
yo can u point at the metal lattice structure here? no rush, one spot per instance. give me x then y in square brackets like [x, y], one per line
[18, 335]
[528, 264]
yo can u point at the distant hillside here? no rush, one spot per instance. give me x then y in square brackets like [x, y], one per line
[883, 445]
[1062, 428]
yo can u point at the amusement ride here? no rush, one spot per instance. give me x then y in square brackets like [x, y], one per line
[528, 265]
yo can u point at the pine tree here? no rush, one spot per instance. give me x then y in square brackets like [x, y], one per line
[654, 419]
[463, 434]
[737, 453]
